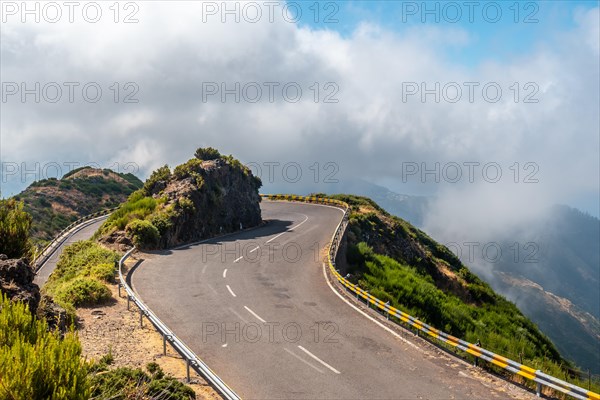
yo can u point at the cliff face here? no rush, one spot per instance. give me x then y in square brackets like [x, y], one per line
[224, 199]
[198, 200]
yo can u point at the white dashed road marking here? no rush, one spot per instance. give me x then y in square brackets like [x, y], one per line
[230, 291]
[255, 314]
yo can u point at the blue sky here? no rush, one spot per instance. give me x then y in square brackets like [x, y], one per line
[537, 22]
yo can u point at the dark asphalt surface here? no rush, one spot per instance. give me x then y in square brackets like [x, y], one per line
[270, 326]
[85, 233]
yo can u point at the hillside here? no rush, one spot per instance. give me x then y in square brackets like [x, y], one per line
[558, 292]
[55, 203]
[206, 196]
[399, 263]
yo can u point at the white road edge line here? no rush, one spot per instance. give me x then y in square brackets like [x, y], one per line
[303, 360]
[230, 291]
[238, 259]
[225, 273]
[289, 229]
[255, 314]
[367, 315]
[254, 249]
[275, 237]
[319, 360]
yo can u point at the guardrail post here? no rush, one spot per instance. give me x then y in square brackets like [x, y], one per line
[164, 344]
[187, 367]
[128, 300]
[141, 319]
[119, 287]
[538, 390]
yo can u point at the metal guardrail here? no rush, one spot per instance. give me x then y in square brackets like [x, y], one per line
[534, 375]
[192, 360]
[60, 237]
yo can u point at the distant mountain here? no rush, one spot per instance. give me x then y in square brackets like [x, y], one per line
[559, 291]
[55, 203]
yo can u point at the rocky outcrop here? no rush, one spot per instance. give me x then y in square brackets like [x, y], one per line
[16, 282]
[197, 200]
[207, 199]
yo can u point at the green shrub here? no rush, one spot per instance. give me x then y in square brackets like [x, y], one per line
[129, 383]
[161, 174]
[207, 153]
[14, 229]
[145, 235]
[83, 291]
[104, 272]
[36, 363]
[190, 168]
[138, 206]
[186, 205]
[78, 258]
[162, 221]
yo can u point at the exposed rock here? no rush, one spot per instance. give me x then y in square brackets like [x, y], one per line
[199, 200]
[225, 200]
[117, 240]
[16, 282]
[55, 315]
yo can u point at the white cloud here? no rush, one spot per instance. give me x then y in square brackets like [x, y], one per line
[370, 132]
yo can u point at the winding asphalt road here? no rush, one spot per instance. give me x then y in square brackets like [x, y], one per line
[256, 307]
[82, 234]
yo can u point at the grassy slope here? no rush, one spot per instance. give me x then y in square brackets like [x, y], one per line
[395, 261]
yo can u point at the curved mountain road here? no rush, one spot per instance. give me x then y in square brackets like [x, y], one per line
[256, 307]
[48, 267]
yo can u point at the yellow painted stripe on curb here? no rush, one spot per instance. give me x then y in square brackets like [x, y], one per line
[593, 395]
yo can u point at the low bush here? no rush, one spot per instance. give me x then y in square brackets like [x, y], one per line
[129, 383]
[14, 229]
[36, 363]
[144, 234]
[79, 275]
[82, 291]
[104, 272]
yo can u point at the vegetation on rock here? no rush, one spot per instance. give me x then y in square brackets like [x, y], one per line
[205, 196]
